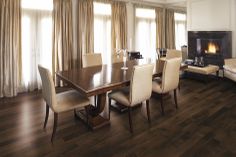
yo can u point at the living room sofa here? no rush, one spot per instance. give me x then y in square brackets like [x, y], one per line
[230, 68]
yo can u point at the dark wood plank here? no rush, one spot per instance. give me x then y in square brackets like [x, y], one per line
[203, 125]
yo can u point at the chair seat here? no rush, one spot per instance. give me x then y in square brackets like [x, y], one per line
[230, 68]
[70, 100]
[156, 86]
[121, 96]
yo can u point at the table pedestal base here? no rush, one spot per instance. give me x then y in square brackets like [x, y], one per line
[93, 122]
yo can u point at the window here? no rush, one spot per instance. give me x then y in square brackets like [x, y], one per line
[180, 30]
[145, 36]
[36, 40]
[102, 31]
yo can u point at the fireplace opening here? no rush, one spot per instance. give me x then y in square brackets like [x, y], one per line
[208, 46]
[212, 46]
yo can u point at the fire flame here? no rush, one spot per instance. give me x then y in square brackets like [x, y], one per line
[212, 47]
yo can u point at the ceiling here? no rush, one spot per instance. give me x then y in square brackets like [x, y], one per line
[179, 3]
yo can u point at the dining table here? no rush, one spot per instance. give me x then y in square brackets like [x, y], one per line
[99, 80]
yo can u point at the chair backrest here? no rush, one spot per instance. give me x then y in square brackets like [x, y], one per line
[48, 88]
[141, 83]
[172, 53]
[92, 59]
[184, 50]
[170, 77]
[230, 61]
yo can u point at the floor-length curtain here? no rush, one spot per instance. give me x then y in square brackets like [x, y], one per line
[170, 29]
[119, 26]
[10, 47]
[160, 27]
[36, 46]
[62, 35]
[85, 30]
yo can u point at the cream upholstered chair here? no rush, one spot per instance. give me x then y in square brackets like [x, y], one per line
[170, 80]
[172, 53]
[92, 59]
[140, 90]
[58, 103]
[230, 68]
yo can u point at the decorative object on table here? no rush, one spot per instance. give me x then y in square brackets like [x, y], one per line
[124, 59]
[199, 61]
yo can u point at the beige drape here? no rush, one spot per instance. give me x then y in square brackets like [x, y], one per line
[119, 26]
[85, 29]
[170, 29]
[10, 47]
[160, 27]
[62, 35]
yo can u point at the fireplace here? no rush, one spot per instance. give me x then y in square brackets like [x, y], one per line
[212, 46]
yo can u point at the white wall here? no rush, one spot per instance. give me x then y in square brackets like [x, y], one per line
[212, 15]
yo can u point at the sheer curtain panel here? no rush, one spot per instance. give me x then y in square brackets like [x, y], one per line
[145, 35]
[36, 45]
[180, 30]
[102, 30]
[10, 51]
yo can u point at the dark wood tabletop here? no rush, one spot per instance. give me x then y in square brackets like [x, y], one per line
[100, 79]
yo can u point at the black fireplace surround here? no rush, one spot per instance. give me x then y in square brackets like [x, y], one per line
[212, 46]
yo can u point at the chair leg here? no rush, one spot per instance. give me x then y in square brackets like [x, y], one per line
[46, 116]
[54, 126]
[109, 107]
[75, 114]
[162, 107]
[87, 116]
[95, 100]
[148, 111]
[130, 120]
[175, 96]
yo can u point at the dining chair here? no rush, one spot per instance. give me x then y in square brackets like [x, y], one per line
[169, 81]
[91, 59]
[172, 53]
[139, 91]
[58, 103]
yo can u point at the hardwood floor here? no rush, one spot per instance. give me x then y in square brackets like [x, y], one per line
[203, 125]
